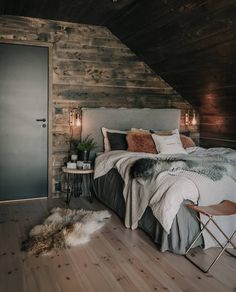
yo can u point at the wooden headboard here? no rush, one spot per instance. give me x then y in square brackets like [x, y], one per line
[93, 119]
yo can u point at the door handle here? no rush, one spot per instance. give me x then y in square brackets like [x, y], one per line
[41, 120]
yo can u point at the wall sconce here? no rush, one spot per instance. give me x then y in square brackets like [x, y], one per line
[186, 119]
[75, 118]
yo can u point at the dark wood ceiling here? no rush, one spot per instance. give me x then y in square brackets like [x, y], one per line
[190, 44]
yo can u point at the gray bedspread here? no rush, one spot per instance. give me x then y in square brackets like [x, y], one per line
[109, 190]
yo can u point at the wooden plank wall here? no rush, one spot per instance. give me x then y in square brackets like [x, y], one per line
[91, 68]
[191, 45]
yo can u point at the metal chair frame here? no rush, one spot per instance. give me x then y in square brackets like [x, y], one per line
[223, 247]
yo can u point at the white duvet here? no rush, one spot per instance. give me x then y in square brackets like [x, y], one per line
[165, 192]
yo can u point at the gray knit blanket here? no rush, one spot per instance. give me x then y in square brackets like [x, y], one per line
[214, 167]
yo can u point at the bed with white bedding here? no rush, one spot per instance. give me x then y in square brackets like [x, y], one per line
[166, 190]
[109, 190]
[160, 197]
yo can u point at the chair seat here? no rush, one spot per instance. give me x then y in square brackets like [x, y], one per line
[224, 208]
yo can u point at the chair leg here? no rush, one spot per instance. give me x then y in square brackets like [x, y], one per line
[223, 248]
[226, 237]
[200, 233]
[233, 255]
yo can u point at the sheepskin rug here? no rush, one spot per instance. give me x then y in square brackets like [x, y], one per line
[64, 228]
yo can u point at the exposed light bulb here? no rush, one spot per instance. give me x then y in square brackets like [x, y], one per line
[78, 121]
[194, 121]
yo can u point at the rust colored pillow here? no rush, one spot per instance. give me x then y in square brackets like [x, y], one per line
[186, 141]
[140, 142]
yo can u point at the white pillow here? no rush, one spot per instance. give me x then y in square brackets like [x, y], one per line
[168, 144]
[176, 131]
[107, 146]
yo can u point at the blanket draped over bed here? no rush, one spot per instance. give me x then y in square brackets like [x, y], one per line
[163, 182]
[214, 166]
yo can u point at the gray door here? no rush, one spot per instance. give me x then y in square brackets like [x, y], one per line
[23, 140]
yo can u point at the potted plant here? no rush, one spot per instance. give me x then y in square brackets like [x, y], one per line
[85, 146]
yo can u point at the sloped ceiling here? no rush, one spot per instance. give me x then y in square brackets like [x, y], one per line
[190, 44]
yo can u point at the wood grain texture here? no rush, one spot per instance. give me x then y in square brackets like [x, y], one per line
[116, 259]
[90, 68]
[191, 44]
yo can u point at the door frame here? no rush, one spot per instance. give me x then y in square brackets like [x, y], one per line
[49, 111]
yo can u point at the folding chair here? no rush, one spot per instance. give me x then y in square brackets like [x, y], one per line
[224, 208]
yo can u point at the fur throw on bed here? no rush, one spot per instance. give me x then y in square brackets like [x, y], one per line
[214, 167]
[64, 228]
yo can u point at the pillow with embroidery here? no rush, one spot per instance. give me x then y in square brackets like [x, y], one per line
[168, 144]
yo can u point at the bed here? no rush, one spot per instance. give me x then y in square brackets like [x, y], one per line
[109, 190]
[172, 231]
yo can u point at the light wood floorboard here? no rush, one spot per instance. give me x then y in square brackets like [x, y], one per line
[116, 259]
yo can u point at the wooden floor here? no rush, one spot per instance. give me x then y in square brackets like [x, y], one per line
[116, 259]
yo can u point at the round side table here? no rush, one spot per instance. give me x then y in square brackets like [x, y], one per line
[74, 181]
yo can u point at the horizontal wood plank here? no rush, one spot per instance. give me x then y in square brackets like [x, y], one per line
[91, 68]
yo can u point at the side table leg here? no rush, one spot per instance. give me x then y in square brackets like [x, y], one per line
[80, 183]
[74, 185]
[68, 190]
[90, 187]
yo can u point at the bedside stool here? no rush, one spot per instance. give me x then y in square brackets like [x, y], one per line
[74, 180]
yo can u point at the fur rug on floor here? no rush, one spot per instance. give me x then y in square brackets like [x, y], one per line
[64, 228]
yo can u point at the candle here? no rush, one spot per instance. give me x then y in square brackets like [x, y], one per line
[74, 157]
